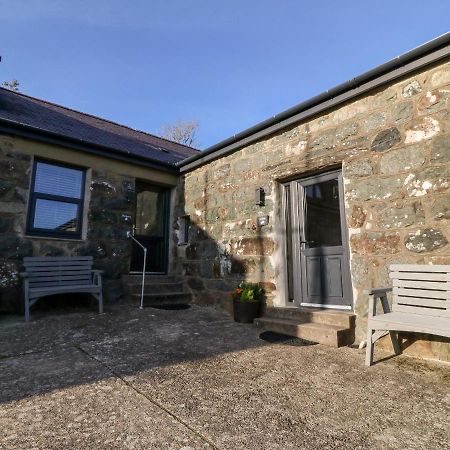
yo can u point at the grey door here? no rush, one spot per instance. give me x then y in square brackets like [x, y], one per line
[320, 270]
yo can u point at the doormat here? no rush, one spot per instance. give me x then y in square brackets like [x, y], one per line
[278, 338]
[172, 307]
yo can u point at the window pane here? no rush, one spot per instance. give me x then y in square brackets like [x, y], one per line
[150, 213]
[57, 180]
[57, 216]
[322, 214]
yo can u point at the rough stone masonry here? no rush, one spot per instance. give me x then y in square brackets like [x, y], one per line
[110, 210]
[394, 149]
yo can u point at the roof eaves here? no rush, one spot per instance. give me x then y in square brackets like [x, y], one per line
[93, 116]
[26, 131]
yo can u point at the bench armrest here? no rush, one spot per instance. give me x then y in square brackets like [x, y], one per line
[97, 277]
[381, 294]
[378, 291]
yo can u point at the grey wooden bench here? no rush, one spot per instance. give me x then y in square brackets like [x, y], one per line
[60, 275]
[420, 303]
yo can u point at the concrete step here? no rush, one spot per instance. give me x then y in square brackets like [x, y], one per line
[154, 288]
[326, 334]
[344, 319]
[163, 298]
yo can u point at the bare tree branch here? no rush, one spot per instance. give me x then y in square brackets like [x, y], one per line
[12, 85]
[183, 132]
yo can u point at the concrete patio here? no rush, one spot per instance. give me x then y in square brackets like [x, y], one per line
[193, 379]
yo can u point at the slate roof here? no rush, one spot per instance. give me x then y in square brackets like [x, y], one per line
[41, 116]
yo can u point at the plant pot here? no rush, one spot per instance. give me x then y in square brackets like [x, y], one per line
[245, 312]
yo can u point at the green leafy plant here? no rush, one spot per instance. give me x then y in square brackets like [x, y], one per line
[248, 292]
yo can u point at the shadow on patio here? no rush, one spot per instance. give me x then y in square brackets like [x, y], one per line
[195, 378]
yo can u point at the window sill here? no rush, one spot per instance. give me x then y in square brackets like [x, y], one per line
[51, 238]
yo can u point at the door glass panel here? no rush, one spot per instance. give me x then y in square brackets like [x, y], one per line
[150, 213]
[289, 251]
[322, 214]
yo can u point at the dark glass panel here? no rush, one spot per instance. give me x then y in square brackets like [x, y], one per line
[150, 213]
[322, 215]
[289, 252]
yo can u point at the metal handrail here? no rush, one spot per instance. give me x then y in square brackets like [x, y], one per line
[131, 236]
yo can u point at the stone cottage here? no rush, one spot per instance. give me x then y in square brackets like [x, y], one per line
[314, 203]
[353, 180]
[74, 184]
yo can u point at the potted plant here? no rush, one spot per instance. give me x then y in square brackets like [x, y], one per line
[246, 302]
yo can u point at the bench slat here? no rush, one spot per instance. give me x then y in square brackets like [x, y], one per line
[57, 273]
[420, 284]
[419, 268]
[29, 259]
[420, 276]
[424, 302]
[49, 269]
[46, 286]
[400, 321]
[64, 283]
[433, 312]
[36, 293]
[58, 279]
[59, 264]
[421, 293]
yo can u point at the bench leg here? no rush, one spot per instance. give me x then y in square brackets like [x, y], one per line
[369, 348]
[27, 309]
[26, 305]
[100, 302]
[395, 342]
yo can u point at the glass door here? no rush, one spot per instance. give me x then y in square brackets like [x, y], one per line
[151, 228]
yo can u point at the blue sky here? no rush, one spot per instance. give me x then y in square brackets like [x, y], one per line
[228, 64]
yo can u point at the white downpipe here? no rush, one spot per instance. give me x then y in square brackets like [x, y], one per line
[130, 236]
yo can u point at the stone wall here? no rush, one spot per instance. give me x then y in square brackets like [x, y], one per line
[394, 149]
[110, 208]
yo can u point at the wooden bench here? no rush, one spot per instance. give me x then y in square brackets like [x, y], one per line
[420, 303]
[60, 275]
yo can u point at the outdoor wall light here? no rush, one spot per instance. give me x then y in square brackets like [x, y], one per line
[260, 196]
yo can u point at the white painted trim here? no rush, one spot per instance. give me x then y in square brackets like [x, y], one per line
[319, 305]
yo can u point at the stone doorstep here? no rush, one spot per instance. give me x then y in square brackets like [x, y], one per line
[154, 288]
[162, 298]
[150, 279]
[326, 334]
[333, 317]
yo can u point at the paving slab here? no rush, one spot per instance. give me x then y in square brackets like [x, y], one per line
[63, 399]
[194, 379]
